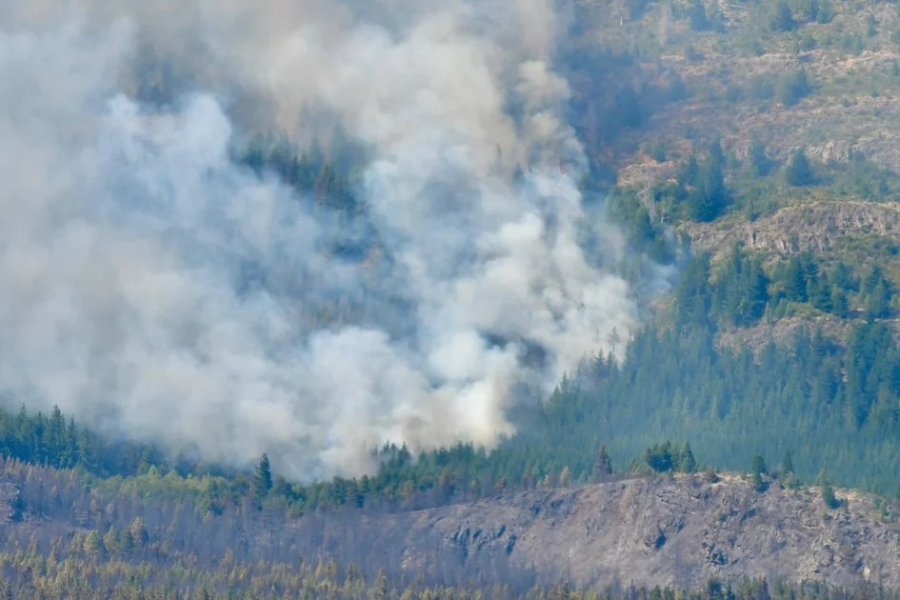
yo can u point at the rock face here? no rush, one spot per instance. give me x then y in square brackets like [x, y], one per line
[837, 151]
[679, 532]
[803, 228]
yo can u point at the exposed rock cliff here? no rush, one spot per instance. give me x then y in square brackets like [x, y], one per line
[816, 227]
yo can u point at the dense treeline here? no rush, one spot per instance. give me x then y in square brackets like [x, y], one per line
[833, 405]
[741, 290]
[55, 441]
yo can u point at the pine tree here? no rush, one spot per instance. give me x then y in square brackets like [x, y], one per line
[709, 198]
[793, 87]
[878, 301]
[827, 492]
[839, 305]
[661, 458]
[93, 545]
[687, 463]
[758, 470]
[138, 531]
[760, 163]
[262, 479]
[798, 171]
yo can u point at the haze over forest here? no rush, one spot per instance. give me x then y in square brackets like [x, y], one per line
[534, 298]
[151, 272]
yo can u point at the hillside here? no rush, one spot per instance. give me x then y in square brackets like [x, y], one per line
[678, 533]
[450, 300]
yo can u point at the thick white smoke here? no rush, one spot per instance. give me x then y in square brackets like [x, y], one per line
[127, 230]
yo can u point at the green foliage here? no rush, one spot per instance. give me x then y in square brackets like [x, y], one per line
[262, 479]
[827, 492]
[834, 405]
[665, 457]
[662, 458]
[709, 197]
[793, 87]
[798, 171]
[692, 297]
[781, 19]
[759, 465]
[741, 290]
[759, 162]
[54, 441]
[876, 294]
[701, 187]
[760, 88]
[687, 463]
[865, 180]
[626, 209]
[757, 471]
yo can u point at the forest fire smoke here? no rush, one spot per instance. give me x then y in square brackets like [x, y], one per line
[156, 287]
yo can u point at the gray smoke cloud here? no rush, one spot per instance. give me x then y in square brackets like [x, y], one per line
[127, 229]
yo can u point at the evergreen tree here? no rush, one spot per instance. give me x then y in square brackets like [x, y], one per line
[687, 464]
[138, 532]
[760, 163]
[661, 457]
[793, 87]
[827, 492]
[798, 171]
[877, 294]
[709, 197]
[692, 300]
[757, 472]
[262, 479]
[839, 305]
[93, 545]
[742, 289]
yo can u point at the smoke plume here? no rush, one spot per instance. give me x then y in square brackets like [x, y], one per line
[156, 287]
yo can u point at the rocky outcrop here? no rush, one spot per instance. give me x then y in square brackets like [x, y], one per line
[834, 151]
[657, 531]
[817, 227]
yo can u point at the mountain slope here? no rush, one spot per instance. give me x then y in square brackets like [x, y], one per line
[667, 532]
[677, 532]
